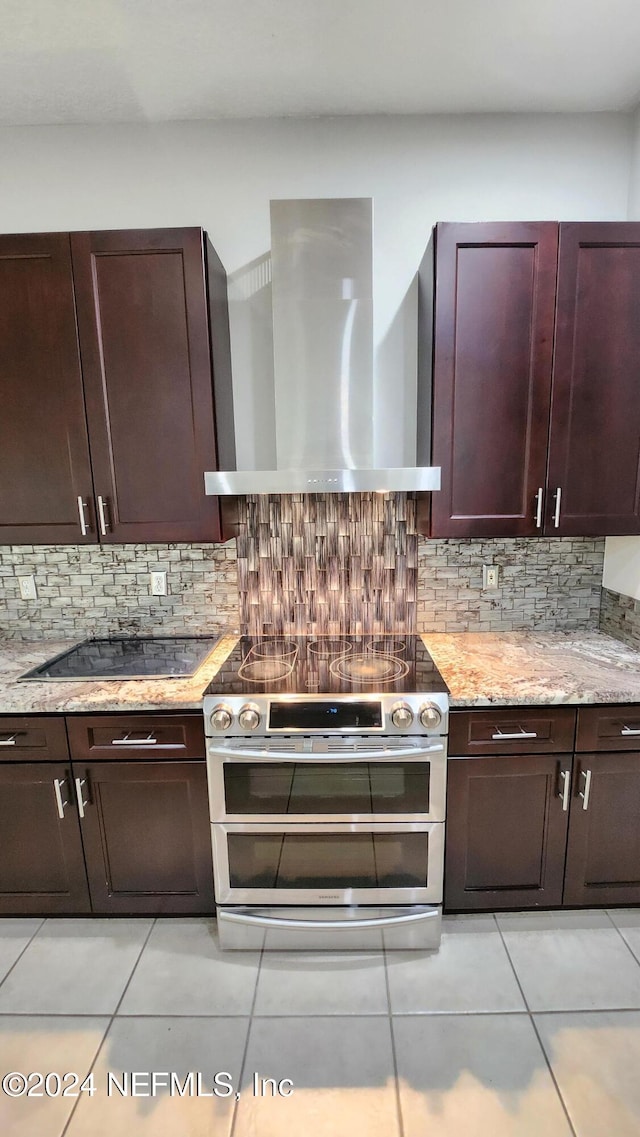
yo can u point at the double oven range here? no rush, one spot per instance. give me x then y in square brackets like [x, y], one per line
[326, 762]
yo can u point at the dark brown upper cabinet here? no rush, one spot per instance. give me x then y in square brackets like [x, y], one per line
[533, 436]
[45, 470]
[112, 350]
[492, 339]
[594, 449]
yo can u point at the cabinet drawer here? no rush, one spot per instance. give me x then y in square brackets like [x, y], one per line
[609, 728]
[30, 739]
[512, 730]
[136, 736]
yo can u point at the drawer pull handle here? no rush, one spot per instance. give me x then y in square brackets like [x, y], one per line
[500, 737]
[586, 790]
[9, 740]
[57, 788]
[565, 775]
[150, 740]
[80, 782]
[630, 730]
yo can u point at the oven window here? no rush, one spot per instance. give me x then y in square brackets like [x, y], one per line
[304, 788]
[328, 860]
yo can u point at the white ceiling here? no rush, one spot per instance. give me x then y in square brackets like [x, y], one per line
[156, 60]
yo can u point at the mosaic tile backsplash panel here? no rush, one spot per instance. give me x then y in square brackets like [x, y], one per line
[327, 563]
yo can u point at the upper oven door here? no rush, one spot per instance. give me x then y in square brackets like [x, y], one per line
[328, 864]
[328, 779]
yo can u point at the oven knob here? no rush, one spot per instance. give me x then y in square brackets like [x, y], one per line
[221, 718]
[249, 718]
[430, 716]
[402, 716]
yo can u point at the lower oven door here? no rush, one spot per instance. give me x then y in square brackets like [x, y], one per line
[315, 779]
[330, 864]
[395, 928]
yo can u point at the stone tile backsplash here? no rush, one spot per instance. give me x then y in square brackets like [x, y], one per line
[620, 617]
[99, 590]
[545, 583]
[318, 563]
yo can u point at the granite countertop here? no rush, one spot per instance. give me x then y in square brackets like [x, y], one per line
[506, 668]
[69, 697]
[481, 669]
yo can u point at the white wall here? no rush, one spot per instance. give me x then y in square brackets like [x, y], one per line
[221, 176]
[622, 554]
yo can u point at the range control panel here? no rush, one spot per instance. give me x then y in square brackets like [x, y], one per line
[324, 714]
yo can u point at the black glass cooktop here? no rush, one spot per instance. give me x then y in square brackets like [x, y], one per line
[128, 657]
[327, 665]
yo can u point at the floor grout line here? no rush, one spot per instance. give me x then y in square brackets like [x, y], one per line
[243, 1063]
[27, 945]
[535, 1029]
[626, 944]
[394, 1054]
[110, 1025]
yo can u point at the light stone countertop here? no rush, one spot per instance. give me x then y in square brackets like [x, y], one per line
[508, 668]
[481, 669]
[69, 697]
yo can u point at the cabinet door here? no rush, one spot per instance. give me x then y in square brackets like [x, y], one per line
[603, 854]
[506, 831]
[594, 455]
[493, 341]
[41, 863]
[144, 336]
[44, 452]
[147, 837]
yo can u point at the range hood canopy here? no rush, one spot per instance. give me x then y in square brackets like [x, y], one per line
[322, 299]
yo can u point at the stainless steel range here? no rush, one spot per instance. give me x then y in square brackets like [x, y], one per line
[326, 761]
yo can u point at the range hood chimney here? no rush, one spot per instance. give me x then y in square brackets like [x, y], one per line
[322, 296]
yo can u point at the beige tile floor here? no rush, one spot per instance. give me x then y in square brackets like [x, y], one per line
[522, 1025]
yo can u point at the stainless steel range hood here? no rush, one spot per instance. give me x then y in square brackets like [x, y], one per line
[322, 297]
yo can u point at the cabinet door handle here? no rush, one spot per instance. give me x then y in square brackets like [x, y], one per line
[629, 730]
[84, 528]
[58, 783]
[586, 790]
[500, 737]
[102, 515]
[9, 740]
[80, 782]
[564, 792]
[538, 517]
[556, 515]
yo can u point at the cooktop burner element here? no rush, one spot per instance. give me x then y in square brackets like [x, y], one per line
[330, 646]
[264, 670]
[374, 667]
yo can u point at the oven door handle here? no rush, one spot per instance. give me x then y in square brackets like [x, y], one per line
[418, 753]
[330, 925]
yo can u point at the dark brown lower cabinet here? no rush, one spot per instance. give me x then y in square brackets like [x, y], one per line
[147, 837]
[506, 831]
[42, 868]
[603, 853]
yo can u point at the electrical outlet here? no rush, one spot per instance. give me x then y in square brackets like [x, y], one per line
[489, 576]
[27, 586]
[158, 584]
